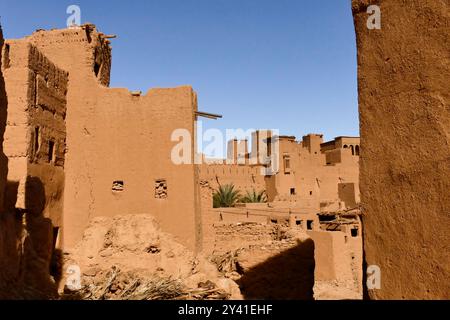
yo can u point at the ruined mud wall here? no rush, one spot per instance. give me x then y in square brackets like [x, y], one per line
[119, 144]
[266, 260]
[75, 50]
[3, 114]
[244, 177]
[132, 139]
[338, 259]
[34, 143]
[4, 238]
[34, 139]
[404, 98]
[46, 135]
[207, 217]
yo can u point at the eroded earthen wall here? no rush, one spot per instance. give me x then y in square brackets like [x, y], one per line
[132, 144]
[4, 59]
[3, 173]
[404, 100]
[78, 51]
[243, 177]
[34, 143]
[338, 259]
[35, 135]
[119, 144]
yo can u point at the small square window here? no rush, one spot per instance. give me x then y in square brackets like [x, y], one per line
[310, 224]
[293, 192]
[118, 186]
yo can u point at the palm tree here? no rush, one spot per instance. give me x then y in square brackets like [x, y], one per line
[255, 197]
[226, 196]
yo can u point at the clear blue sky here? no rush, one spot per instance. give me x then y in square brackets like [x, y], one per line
[282, 64]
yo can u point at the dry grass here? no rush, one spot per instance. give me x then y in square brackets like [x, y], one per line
[151, 288]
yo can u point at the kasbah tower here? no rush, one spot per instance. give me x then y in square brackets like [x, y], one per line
[118, 138]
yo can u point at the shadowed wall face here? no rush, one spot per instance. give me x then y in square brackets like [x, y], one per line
[3, 173]
[35, 133]
[286, 276]
[34, 144]
[404, 72]
[4, 60]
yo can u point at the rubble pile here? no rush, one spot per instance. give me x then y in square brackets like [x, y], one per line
[130, 258]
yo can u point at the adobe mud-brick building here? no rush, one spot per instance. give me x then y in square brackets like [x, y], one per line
[311, 173]
[35, 135]
[404, 99]
[119, 144]
[33, 110]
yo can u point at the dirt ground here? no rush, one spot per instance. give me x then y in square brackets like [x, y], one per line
[273, 261]
[130, 258]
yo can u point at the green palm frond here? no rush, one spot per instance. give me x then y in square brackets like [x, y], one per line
[255, 197]
[226, 196]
